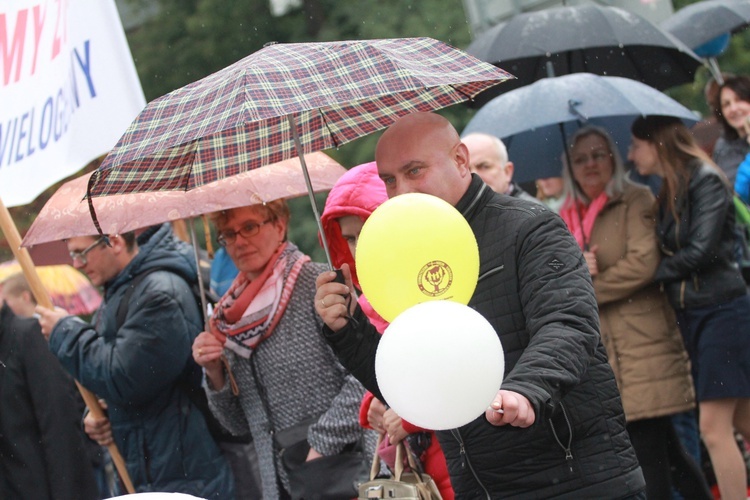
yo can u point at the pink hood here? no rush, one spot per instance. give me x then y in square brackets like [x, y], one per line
[358, 192]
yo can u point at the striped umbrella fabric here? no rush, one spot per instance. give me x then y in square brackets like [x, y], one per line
[243, 117]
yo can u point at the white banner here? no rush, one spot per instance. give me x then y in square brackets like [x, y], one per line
[68, 90]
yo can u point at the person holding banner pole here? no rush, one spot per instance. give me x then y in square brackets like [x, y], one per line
[136, 356]
[21, 254]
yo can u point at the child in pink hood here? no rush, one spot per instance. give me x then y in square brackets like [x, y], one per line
[351, 201]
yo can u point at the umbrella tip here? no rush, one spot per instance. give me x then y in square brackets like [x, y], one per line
[268, 44]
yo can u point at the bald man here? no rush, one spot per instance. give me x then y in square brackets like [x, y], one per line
[489, 160]
[561, 431]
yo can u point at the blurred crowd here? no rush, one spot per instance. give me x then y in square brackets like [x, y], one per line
[636, 385]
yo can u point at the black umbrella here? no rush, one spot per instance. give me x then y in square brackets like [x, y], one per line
[701, 22]
[584, 38]
[535, 121]
[702, 25]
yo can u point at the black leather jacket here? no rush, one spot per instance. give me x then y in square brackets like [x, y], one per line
[698, 266]
[535, 290]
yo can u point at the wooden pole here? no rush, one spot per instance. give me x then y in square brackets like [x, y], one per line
[42, 298]
[179, 227]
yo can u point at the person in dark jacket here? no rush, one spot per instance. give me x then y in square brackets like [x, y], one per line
[704, 285]
[561, 432]
[42, 450]
[142, 366]
[489, 160]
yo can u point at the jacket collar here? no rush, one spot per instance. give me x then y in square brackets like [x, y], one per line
[474, 198]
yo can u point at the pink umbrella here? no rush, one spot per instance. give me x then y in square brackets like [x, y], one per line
[66, 215]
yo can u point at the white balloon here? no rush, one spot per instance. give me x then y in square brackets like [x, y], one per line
[439, 364]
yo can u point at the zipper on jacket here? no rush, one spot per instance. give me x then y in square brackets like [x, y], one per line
[465, 461]
[492, 271]
[683, 283]
[568, 451]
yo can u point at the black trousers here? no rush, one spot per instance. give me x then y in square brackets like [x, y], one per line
[665, 462]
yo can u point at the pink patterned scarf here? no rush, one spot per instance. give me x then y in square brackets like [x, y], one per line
[250, 310]
[572, 213]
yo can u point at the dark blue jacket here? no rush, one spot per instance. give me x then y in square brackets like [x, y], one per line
[137, 368]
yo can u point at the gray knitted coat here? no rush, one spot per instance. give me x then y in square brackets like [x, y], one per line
[301, 379]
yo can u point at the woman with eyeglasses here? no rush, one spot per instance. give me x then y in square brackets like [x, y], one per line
[613, 221]
[698, 271]
[280, 375]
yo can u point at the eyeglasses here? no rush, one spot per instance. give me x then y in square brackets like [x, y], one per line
[248, 230]
[81, 256]
[596, 156]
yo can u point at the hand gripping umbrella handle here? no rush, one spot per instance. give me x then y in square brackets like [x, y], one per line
[96, 410]
[42, 298]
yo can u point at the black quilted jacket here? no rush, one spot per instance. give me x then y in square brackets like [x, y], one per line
[535, 289]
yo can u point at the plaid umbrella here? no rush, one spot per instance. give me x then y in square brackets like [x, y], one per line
[283, 101]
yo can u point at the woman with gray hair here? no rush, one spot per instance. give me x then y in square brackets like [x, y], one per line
[613, 221]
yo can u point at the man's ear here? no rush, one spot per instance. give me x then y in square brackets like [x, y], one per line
[461, 156]
[117, 243]
[509, 169]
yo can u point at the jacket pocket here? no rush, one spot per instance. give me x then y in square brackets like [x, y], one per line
[562, 433]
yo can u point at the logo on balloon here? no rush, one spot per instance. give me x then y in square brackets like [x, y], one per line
[435, 278]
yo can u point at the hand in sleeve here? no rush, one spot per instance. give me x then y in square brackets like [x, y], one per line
[393, 426]
[48, 318]
[98, 429]
[510, 408]
[207, 352]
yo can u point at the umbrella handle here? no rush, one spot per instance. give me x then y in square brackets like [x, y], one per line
[42, 298]
[339, 276]
[713, 66]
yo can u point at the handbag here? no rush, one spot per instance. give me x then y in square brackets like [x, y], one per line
[411, 485]
[330, 477]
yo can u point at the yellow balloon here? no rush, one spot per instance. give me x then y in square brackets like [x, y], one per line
[416, 248]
